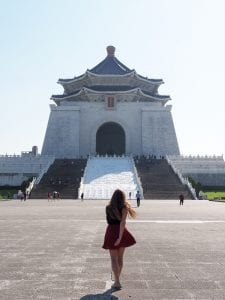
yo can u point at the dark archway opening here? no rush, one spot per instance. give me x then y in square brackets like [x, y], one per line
[110, 139]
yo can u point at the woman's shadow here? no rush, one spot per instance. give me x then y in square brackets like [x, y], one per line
[107, 295]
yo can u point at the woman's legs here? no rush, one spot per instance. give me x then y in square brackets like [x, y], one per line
[120, 258]
[115, 265]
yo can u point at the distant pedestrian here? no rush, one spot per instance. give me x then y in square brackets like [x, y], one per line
[138, 198]
[82, 196]
[58, 195]
[49, 196]
[130, 195]
[181, 197]
[24, 196]
[54, 195]
[21, 196]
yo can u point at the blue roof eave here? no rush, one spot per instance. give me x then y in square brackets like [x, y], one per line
[89, 73]
[134, 90]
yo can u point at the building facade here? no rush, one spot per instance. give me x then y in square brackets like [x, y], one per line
[110, 109]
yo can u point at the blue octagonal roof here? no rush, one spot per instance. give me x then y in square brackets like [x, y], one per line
[110, 65]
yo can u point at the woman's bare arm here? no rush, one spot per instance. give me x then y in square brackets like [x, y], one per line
[122, 226]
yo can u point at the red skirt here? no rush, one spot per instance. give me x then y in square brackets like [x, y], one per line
[112, 234]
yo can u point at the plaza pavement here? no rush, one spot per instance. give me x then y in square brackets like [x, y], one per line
[52, 250]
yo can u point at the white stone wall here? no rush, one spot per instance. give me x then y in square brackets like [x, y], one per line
[72, 128]
[23, 164]
[62, 134]
[15, 169]
[158, 132]
[12, 179]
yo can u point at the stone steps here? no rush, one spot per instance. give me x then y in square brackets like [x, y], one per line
[63, 176]
[159, 180]
[103, 175]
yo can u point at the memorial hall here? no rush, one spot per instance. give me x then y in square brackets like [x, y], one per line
[110, 109]
[111, 128]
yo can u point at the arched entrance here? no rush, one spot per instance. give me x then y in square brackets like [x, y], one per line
[110, 139]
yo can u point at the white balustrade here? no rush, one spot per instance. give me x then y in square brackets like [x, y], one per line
[182, 179]
[198, 164]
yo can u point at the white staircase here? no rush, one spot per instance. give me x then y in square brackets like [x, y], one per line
[103, 175]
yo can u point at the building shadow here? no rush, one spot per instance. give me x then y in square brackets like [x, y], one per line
[107, 295]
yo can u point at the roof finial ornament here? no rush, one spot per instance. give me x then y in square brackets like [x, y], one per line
[110, 50]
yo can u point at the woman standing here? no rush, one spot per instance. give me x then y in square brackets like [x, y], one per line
[117, 237]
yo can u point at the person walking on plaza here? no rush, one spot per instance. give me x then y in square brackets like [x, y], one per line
[181, 197]
[49, 196]
[138, 198]
[54, 195]
[117, 237]
[21, 196]
[24, 196]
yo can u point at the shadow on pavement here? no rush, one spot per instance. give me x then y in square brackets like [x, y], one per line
[107, 295]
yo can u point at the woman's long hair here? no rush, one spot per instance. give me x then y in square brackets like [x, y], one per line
[118, 202]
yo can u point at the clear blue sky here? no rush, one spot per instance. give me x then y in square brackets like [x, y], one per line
[180, 41]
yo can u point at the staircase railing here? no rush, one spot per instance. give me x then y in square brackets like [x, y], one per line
[31, 185]
[139, 185]
[183, 180]
[81, 187]
[43, 171]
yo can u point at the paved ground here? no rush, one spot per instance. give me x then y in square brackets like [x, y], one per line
[53, 251]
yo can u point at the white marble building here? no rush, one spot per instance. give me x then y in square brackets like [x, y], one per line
[110, 109]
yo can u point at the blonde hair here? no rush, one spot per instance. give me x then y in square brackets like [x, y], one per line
[118, 202]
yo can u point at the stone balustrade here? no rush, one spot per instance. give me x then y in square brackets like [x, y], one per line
[14, 169]
[197, 157]
[198, 164]
[20, 164]
[208, 170]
